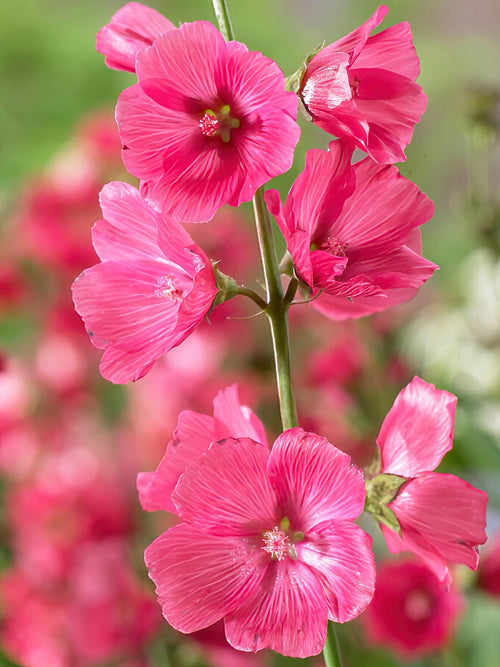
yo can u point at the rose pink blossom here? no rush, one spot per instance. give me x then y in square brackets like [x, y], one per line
[442, 517]
[411, 612]
[267, 542]
[192, 437]
[207, 123]
[152, 287]
[352, 232]
[363, 88]
[488, 575]
[132, 28]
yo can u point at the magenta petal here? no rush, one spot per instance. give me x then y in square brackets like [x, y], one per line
[355, 40]
[132, 28]
[442, 519]
[418, 430]
[200, 578]
[287, 613]
[227, 491]
[314, 481]
[192, 437]
[391, 49]
[234, 419]
[129, 229]
[342, 558]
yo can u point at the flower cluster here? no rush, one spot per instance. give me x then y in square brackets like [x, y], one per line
[265, 538]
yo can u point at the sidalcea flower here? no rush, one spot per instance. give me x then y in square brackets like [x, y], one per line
[267, 542]
[352, 232]
[192, 437]
[437, 516]
[363, 88]
[207, 123]
[132, 28]
[411, 612]
[152, 287]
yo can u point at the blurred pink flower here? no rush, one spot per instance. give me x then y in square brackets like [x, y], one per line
[207, 123]
[132, 28]
[352, 232]
[442, 517]
[411, 613]
[152, 287]
[267, 542]
[363, 88]
[488, 574]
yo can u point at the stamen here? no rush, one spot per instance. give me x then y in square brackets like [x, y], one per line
[334, 246]
[276, 543]
[167, 289]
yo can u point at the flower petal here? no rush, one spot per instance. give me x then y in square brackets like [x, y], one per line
[442, 519]
[234, 419]
[227, 491]
[342, 558]
[418, 429]
[287, 613]
[200, 578]
[314, 481]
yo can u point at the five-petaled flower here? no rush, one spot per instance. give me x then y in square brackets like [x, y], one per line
[267, 542]
[352, 232]
[207, 123]
[152, 287]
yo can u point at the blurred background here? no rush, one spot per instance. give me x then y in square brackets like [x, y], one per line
[73, 590]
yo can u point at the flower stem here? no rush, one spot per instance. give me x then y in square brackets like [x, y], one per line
[221, 13]
[277, 311]
[331, 652]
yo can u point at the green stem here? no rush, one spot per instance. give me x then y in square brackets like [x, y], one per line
[221, 13]
[331, 652]
[277, 311]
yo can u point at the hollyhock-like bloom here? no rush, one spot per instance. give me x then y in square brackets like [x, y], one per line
[131, 29]
[267, 542]
[441, 517]
[363, 88]
[192, 437]
[411, 612]
[152, 287]
[488, 575]
[207, 123]
[352, 232]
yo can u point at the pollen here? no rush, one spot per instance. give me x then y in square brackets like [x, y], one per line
[276, 543]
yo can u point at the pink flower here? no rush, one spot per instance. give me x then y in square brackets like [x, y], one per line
[352, 231]
[267, 542]
[411, 612]
[152, 287]
[363, 88]
[441, 517]
[207, 123]
[192, 437]
[131, 29]
[488, 575]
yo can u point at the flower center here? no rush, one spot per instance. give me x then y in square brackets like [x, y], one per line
[167, 289]
[331, 245]
[279, 542]
[354, 85]
[418, 605]
[218, 123]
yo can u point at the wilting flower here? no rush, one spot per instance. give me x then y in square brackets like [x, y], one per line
[132, 28]
[152, 287]
[192, 437]
[267, 542]
[411, 612]
[207, 123]
[363, 88]
[352, 232]
[439, 517]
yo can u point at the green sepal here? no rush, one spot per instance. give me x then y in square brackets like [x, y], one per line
[227, 288]
[380, 491]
